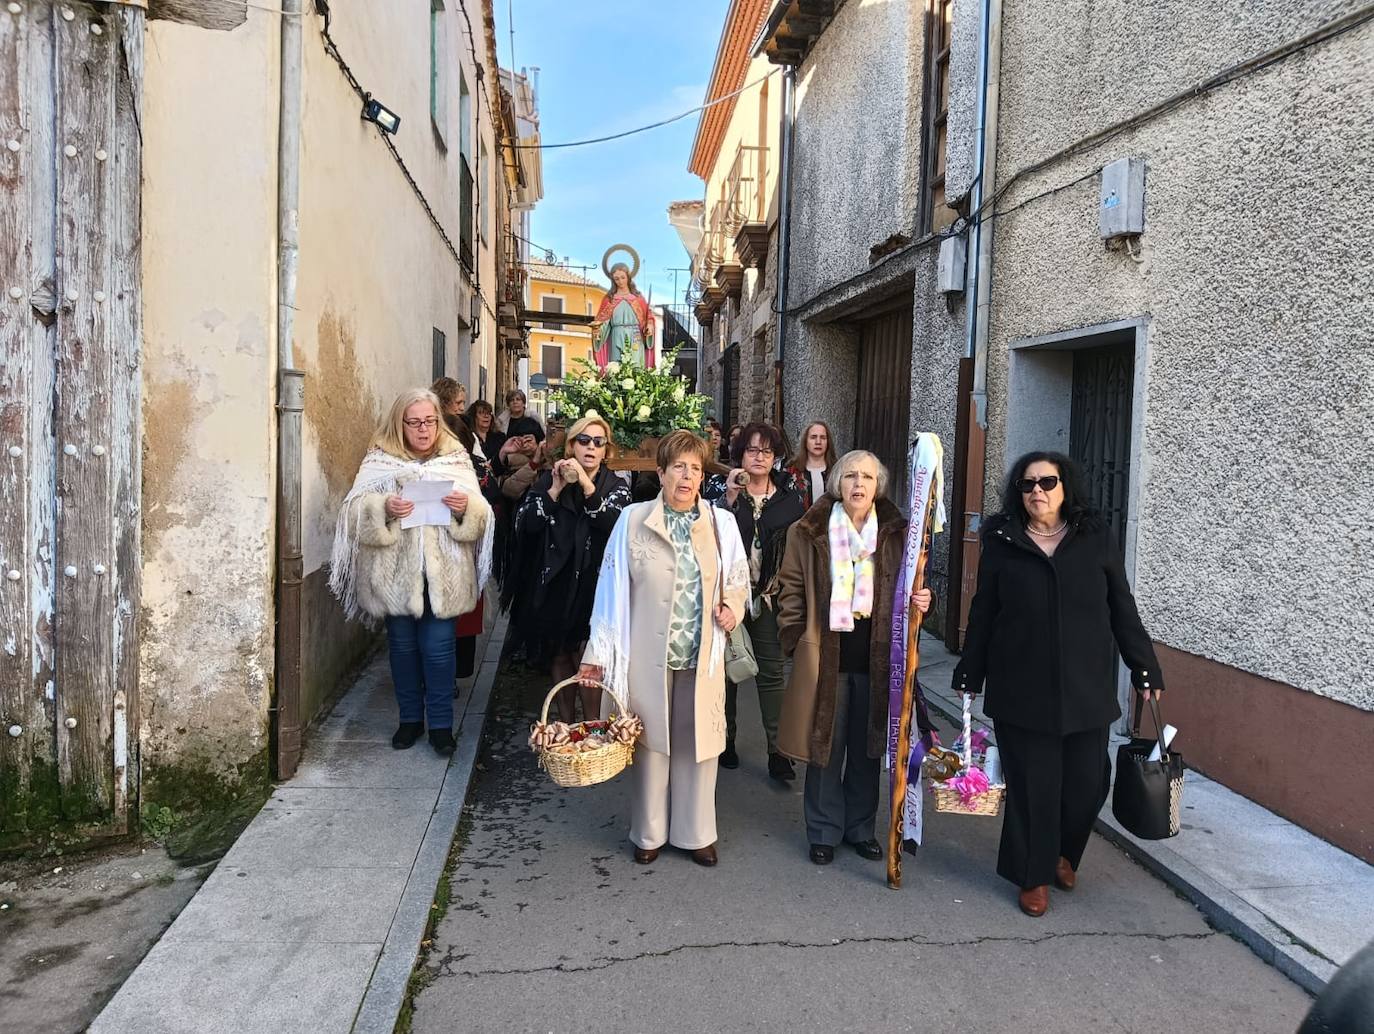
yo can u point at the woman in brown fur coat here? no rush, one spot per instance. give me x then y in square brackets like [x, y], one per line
[834, 618]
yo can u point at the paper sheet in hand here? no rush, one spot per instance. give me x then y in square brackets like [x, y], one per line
[428, 499]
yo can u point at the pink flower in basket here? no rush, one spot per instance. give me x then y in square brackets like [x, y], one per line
[970, 784]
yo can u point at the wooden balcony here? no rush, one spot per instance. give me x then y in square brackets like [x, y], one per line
[705, 315]
[792, 29]
[730, 279]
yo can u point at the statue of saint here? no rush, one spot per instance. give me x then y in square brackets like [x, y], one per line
[624, 325]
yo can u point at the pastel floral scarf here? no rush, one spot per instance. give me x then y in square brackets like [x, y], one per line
[851, 568]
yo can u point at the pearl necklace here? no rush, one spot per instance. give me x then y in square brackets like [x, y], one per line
[1048, 534]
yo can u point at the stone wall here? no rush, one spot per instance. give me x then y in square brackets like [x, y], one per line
[1258, 434]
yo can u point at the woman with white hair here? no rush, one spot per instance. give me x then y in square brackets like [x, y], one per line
[416, 579]
[834, 619]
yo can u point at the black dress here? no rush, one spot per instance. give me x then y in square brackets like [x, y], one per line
[558, 546]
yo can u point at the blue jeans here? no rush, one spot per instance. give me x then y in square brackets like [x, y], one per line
[423, 666]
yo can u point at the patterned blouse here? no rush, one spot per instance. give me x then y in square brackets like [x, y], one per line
[684, 628]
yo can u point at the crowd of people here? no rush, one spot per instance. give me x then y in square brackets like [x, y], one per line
[637, 583]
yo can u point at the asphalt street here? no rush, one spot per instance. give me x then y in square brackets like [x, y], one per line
[553, 927]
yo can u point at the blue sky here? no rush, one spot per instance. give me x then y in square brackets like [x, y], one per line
[607, 67]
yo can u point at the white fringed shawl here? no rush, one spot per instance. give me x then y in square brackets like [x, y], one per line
[610, 624]
[382, 472]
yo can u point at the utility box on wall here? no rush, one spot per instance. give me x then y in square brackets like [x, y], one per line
[950, 264]
[1121, 212]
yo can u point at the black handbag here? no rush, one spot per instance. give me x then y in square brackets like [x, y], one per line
[1148, 796]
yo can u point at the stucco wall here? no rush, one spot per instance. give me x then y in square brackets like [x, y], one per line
[208, 286]
[856, 174]
[375, 279]
[1259, 428]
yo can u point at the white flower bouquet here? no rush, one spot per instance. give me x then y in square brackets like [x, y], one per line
[639, 403]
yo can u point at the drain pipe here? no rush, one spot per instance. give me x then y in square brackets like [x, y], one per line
[980, 305]
[290, 405]
[789, 113]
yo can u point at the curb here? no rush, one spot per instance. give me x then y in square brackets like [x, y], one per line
[1224, 909]
[386, 989]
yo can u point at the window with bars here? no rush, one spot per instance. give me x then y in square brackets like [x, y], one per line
[939, 26]
[465, 203]
[439, 354]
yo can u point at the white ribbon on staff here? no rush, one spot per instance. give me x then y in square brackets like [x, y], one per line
[925, 472]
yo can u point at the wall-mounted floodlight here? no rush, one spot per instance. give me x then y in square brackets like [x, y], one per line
[376, 112]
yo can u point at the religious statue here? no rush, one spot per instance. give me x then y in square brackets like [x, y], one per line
[624, 325]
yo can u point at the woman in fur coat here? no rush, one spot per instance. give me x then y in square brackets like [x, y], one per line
[416, 580]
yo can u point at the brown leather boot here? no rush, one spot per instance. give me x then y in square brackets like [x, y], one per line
[1036, 901]
[705, 855]
[646, 855]
[1064, 876]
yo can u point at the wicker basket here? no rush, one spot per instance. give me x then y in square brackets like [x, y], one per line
[588, 767]
[948, 799]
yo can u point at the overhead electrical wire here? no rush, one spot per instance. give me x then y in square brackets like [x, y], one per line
[652, 125]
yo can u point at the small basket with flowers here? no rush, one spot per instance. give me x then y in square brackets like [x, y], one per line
[968, 781]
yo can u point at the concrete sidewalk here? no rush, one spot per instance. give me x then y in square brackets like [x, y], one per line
[312, 921]
[1301, 904]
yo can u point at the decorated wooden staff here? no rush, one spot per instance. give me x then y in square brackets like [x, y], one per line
[926, 481]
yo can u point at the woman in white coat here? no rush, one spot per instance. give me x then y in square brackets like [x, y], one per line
[416, 580]
[674, 582]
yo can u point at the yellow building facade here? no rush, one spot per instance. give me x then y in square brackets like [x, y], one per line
[554, 345]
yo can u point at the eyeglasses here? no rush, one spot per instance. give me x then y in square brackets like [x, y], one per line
[682, 469]
[1046, 483]
[758, 450]
[590, 439]
[415, 425]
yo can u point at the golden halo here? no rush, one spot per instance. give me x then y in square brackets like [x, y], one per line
[606, 259]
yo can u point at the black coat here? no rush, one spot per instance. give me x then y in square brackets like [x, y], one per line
[1041, 630]
[559, 544]
[780, 511]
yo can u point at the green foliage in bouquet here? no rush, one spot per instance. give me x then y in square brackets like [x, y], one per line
[639, 403]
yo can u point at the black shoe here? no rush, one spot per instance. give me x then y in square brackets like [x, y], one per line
[728, 757]
[822, 854]
[442, 741]
[869, 849]
[407, 734]
[780, 768]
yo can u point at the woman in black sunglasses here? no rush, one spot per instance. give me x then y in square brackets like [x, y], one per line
[561, 528]
[1052, 611]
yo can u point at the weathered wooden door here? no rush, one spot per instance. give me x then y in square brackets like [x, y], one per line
[70, 75]
[882, 412]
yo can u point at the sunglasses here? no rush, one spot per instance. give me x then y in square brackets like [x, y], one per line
[590, 439]
[1046, 483]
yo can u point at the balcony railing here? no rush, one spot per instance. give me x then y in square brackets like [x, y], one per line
[712, 249]
[744, 188]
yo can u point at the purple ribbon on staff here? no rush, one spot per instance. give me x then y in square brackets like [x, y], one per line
[896, 683]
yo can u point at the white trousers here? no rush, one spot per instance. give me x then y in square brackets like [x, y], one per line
[673, 797]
